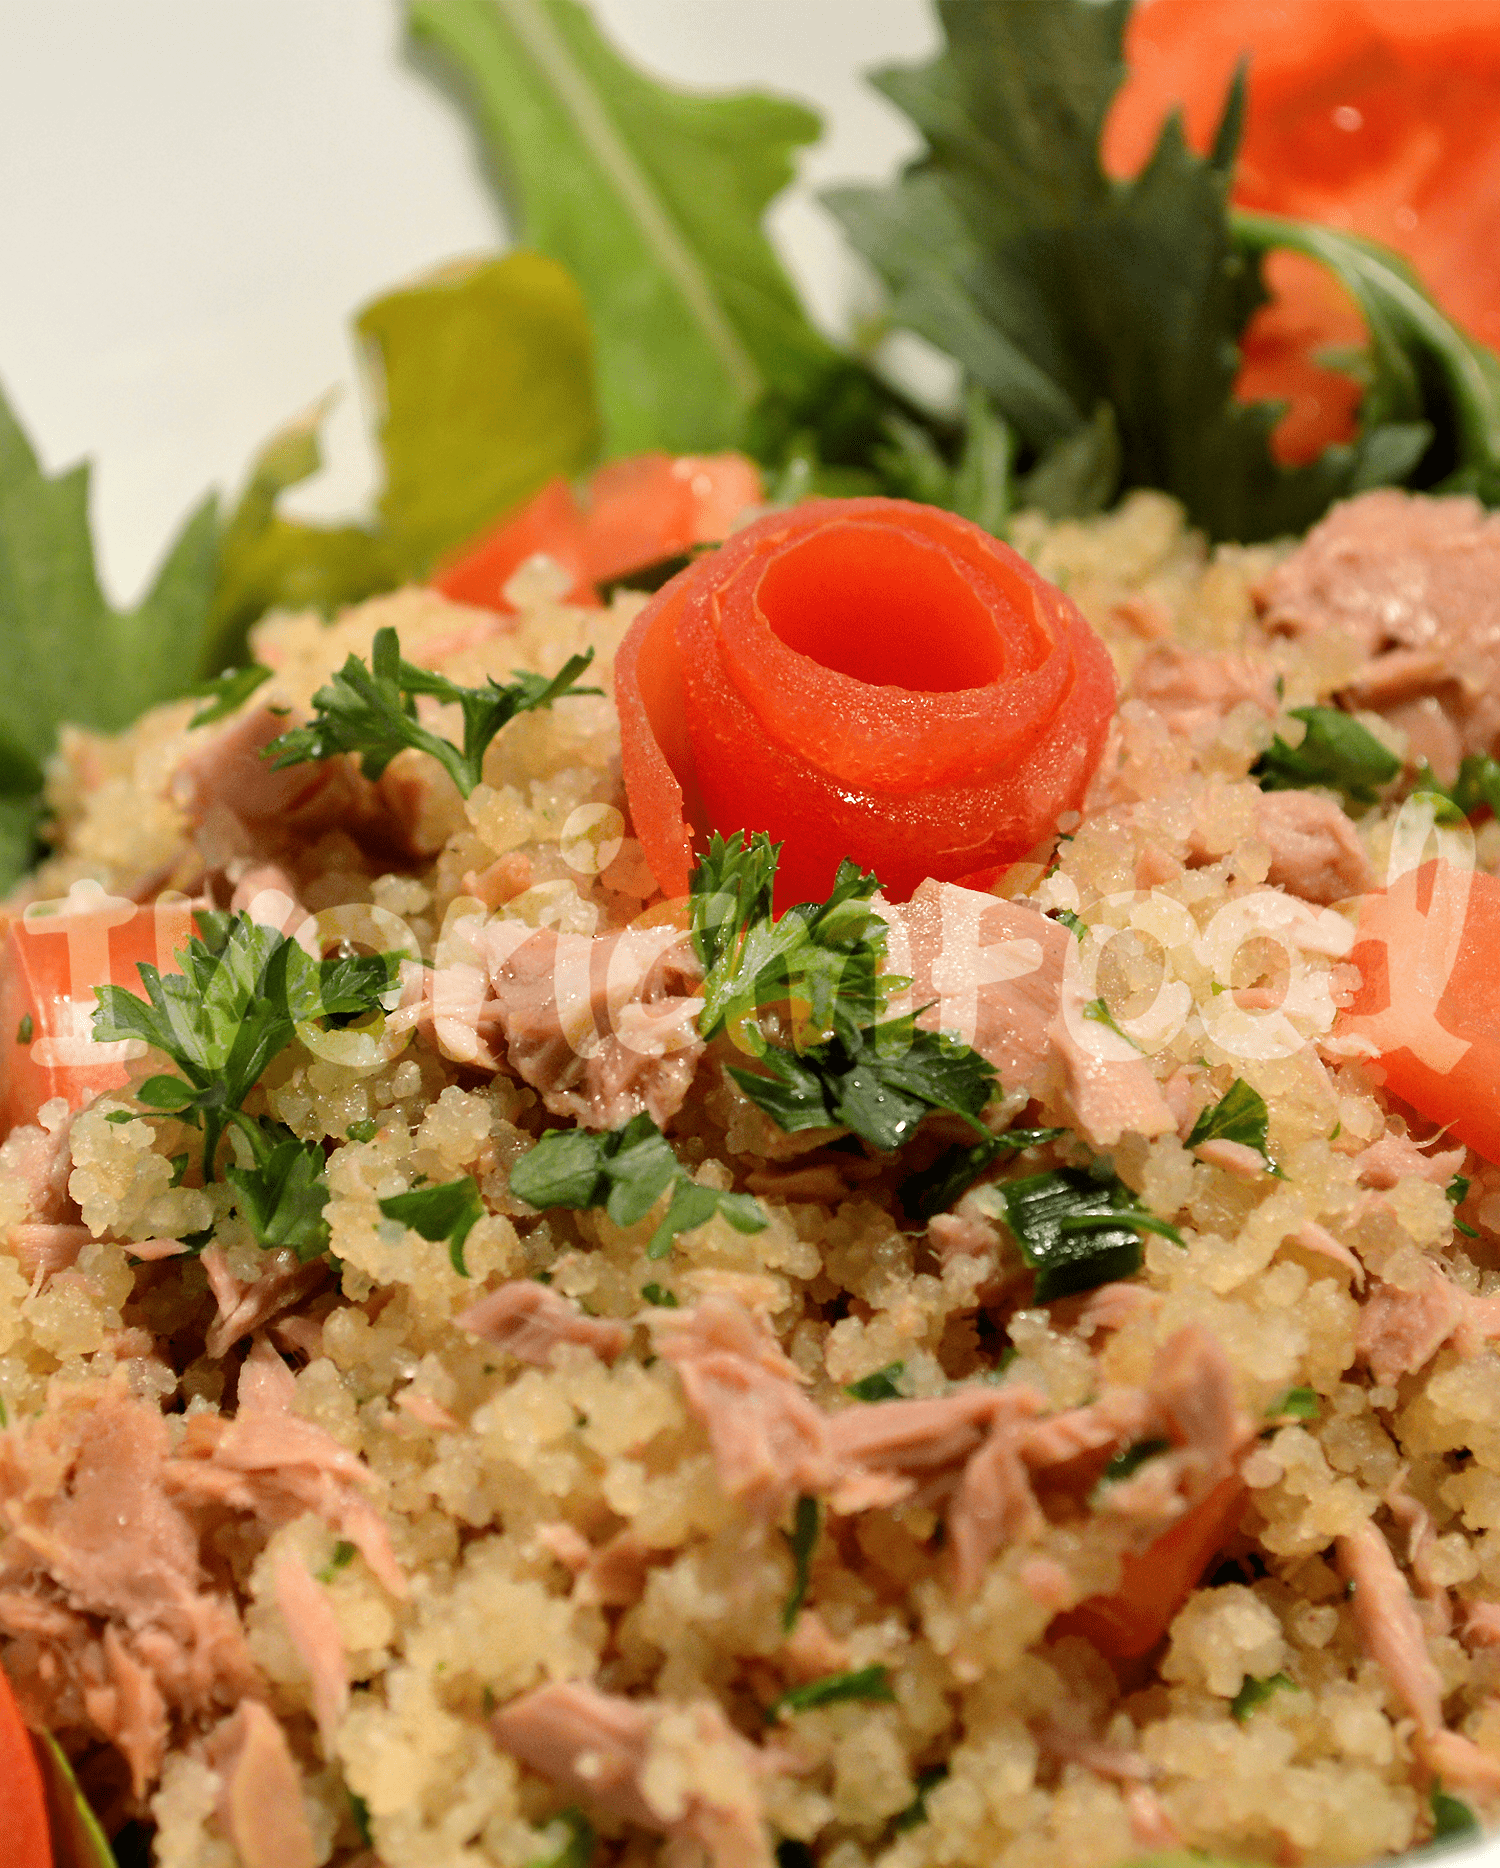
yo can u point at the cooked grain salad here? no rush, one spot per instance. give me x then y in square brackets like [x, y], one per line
[465, 1405]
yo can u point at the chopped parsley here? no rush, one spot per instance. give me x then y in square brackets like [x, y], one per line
[226, 692]
[1078, 1228]
[1240, 1115]
[577, 1847]
[1458, 1191]
[879, 1385]
[1295, 1404]
[1452, 1819]
[236, 1004]
[449, 1212]
[1130, 1459]
[802, 1540]
[955, 1171]
[343, 1556]
[659, 1296]
[364, 1130]
[868, 1683]
[1254, 1693]
[1098, 1010]
[626, 1171]
[371, 709]
[916, 1811]
[1476, 788]
[283, 1193]
[26, 1030]
[1336, 751]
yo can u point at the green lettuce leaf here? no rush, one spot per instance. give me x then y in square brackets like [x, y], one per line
[652, 198]
[483, 372]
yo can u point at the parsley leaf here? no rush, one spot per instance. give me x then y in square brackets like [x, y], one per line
[577, 1847]
[916, 1811]
[659, 1296]
[1240, 1115]
[449, 1211]
[955, 1171]
[1130, 1459]
[1452, 1819]
[879, 1385]
[235, 1005]
[1078, 1228]
[802, 1540]
[626, 1171]
[867, 1683]
[1336, 751]
[1295, 1404]
[826, 957]
[371, 708]
[226, 692]
[1255, 1693]
[879, 1082]
[1476, 788]
[1458, 1191]
[283, 1193]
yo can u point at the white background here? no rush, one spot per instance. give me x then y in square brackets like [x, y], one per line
[196, 194]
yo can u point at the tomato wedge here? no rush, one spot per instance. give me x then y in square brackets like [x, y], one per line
[1155, 1582]
[637, 512]
[1429, 1002]
[24, 1840]
[52, 958]
[866, 678]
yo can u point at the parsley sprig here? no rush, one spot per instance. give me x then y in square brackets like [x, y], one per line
[236, 1004]
[1078, 1228]
[626, 1171]
[1335, 751]
[282, 1193]
[449, 1211]
[371, 709]
[955, 1171]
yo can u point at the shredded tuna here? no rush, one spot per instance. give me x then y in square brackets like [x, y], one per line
[426, 1412]
[1415, 1519]
[113, 1626]
[260, 1798]
[1195, 690]
[1318, 1240]
[1315, 850]
[603, 1027]
[1400, 1331]
[812, 1650]
[1395, 1158]
[1412, 585]
[244, 1308]
[1482, 1624]
[40, 1161]
[1236, 1158]
[1112, 1306]
[529, 1320]
[769, 1442]
[1150, 1824]
[47, 1248]
[598, 1747]
[314, 1631]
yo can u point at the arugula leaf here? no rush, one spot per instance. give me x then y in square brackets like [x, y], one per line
[955, 1171]
[824, 956]
[65, 652]
[235, 1005]
[867, 1683]
[449, 1211]
[1239, 1116]
[484, 373]
[1078, 1228]
[802, 1540]
[577, 1847]
[226, 692]
[1336, 751]
[283, 1193]
[1255, 1693]
[1452, 1820]
[371, 708]
[879, 1083]
[626, 1171]
[1103, 318]
[880, 1385]
[624, 179]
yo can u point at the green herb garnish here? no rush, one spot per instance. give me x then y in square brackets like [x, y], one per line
[916, 1811]
[955, 1171]
[801, 1540]
[878, 1386]
[449, 1212]
[26, 1030]
[1458, 1192]
[1295, 1404]
[626, 1171]
[371, 709]
[343, 1556]
[1452, 1820]
[1130, 1459]
[226, 692]
[283, 1193]
[1240, 1115]
[365, 1130]
[577, 1849]
[1336, 751]
[659, 1296]
[1078, 1228]
[868, 1683]
[236, 1004]
[1255, 1693]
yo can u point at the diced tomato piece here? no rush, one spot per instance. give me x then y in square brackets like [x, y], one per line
[1430, 1001]
[867, 678]
[1155, 1582]
[53, 957]
[24, 1840]
[637, 512]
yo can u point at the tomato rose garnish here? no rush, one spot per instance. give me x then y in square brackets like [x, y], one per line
[24, 1839]
[866, 678]
[1373, 116]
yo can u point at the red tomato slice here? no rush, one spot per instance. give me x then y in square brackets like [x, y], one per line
[637, 512]
[867, 678]
[1156, 1582]
[24, 1840]
[53, 957]
[1428, 1003]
